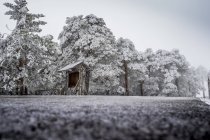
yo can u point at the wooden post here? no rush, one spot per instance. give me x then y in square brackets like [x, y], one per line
[67, 83]
[83, 81]
[126, 78]
[80, 80]
[87, 77]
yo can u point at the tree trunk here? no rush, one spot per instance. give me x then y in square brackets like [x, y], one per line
[189, 89]
[21, 87]
[126, 78]
[16, 89]
[177, 85]
[141, 88]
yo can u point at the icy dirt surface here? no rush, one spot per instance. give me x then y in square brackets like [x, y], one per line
[205, 100]
[103, 118]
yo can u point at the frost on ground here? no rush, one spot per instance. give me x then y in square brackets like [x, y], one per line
[103, 117]
[205, 100]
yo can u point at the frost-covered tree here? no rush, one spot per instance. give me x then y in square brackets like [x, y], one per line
[163, 69]
[5, 67]
[1, 37]
[45, 76]
[150, 83]
[88, 39]
[131, 65]
[1, 47]
[209, 83]
[2, 56]
[194, 83]
[24, 50]
[202, 75]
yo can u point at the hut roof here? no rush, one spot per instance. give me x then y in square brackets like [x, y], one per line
[71, 66]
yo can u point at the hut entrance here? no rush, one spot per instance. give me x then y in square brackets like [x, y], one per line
[77, 78]
[73, 79]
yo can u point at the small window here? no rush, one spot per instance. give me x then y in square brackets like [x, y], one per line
[73, 79]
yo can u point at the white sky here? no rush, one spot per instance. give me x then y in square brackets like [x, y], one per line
[156, 24]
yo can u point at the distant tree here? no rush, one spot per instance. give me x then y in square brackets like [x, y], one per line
[194, 81]
[202, 74]
[164, 68]
[88, 39]
[209, 83]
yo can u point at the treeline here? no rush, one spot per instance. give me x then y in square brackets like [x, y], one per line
[29, 62]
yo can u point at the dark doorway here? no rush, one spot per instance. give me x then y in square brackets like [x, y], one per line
[73, 79]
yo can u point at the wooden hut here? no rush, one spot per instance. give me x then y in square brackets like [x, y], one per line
[77, 78]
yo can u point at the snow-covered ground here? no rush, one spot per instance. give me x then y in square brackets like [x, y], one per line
[103, 117]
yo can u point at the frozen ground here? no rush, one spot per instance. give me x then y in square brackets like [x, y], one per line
[205, 100]
[103, 118]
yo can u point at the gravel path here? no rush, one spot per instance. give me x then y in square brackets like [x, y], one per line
[103, 118]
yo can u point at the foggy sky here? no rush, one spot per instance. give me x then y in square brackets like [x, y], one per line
[156, 24]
